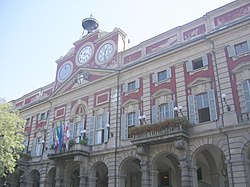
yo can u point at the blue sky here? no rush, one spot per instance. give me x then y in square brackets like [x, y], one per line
[34, 34]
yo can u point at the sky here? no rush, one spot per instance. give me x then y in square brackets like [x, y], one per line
[34, 33]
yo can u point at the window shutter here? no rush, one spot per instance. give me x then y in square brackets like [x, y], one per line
[212, 105]
[191, 108]
[125, 87]
[137, 121]
[246, 91]
[154, 77]
[137, 83]
[51, 137]
[189, 66]
[38, 145]
[169, 73]
[33, 153]
[248, 44]
[91, 130]
[155, 118]
[171, 109]
[124, 127]
[38, 117]
[105, 121]
[231, 50]
[205, 60]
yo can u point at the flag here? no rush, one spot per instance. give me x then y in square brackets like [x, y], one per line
[67, 133]
[56, 138]
[60, 137]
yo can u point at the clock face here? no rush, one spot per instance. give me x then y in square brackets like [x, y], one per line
[84, 54]
[65, 71]
[105, 52]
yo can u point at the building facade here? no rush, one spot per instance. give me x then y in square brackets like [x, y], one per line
[172, 111]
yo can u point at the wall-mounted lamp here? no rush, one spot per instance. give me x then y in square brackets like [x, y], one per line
[142, 119]
[224, 96]
[42, 142]
[177, 110]
[83, 134]
[110, 134]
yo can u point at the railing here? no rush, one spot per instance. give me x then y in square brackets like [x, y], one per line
[168, 129]
[74, 148]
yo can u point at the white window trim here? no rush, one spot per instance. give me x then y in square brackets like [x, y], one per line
[168, 76]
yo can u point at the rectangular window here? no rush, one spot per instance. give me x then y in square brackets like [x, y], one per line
[99, 130]
[203, 107]
[131, 86]
[197, 63]
[162, 75]
[42, 116]
[199, 174]
[164, 111]
[241, 48]
[131, 119]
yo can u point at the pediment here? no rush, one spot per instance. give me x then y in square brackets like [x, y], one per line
[241, 67]
[162, 92]
[199, 81]
[130, 102]
[81, 77]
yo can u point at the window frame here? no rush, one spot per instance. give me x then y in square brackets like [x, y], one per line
[133, 87]
[190, 63]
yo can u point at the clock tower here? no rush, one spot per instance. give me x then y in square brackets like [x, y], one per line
[96, 49]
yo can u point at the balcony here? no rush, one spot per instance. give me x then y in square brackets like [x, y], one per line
[162, 132]
[70, 153]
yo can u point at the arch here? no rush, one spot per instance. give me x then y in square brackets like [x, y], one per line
[34, 178]
[198, 81]
[79, 103]
[99, 172]
[129, 172]
[50, 178]
[130, 102]
[241, 67]
[209, 161]
[165, 169]
[72, 174]
[246, 157]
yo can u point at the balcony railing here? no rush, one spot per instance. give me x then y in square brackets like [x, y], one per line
[76, 149]
[166, 131]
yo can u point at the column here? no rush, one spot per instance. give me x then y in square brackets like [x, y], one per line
[92, 182]
[194, 176]
[60, 165]
[154, 177]
[185, 173]
[83, 180]
[239, 173]
[22, 181]
[144, 174]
